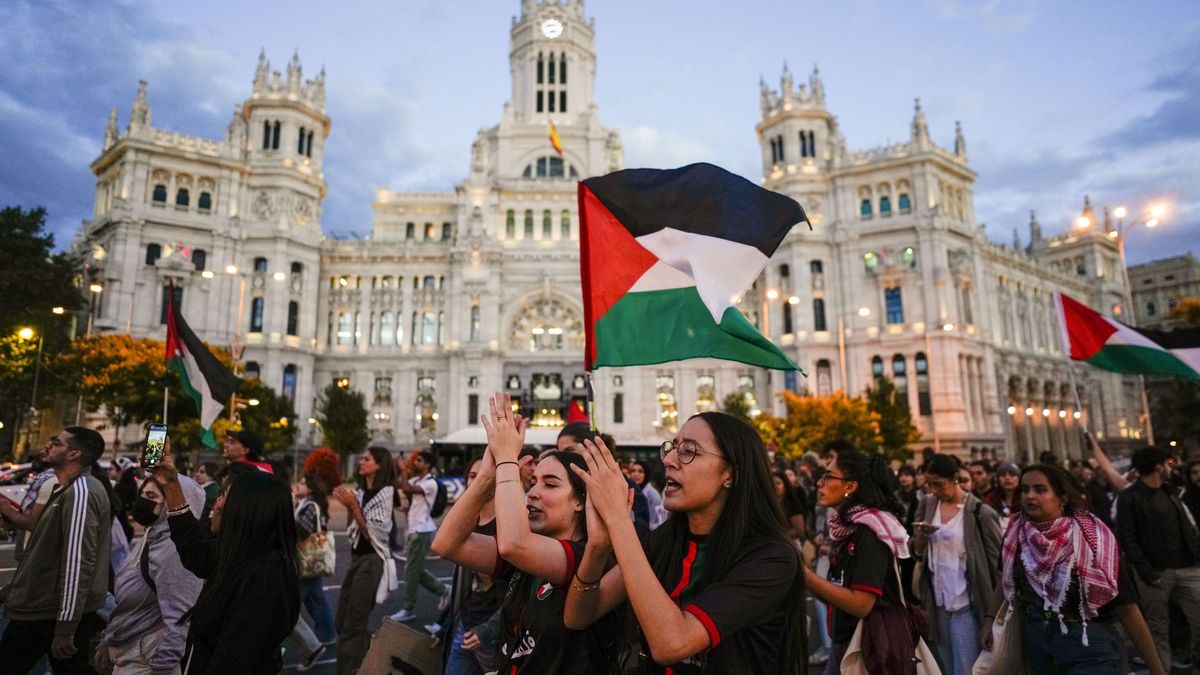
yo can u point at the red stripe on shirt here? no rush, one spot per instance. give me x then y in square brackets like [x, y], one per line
[866, 589]
[572, 563]
[686, 575]
[714, 635]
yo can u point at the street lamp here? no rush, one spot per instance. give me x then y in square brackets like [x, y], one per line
[96, 290]
[27, 333]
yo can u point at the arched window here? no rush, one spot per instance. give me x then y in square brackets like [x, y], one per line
[550, 70]
[562, 96]
[199, 259]
[824, 378]
[428, 328]
[904, 204]
[804, 144]
[160, 194]
[182, 198]
[345, 331]
[410, 231]
[924, 407]
[894, 304]
[900, 377]
[275, 135]
[864, 209]
[429, 232]
[877, 367]
[387, 329]
[1151, 309]
[885, 206]
[816, 267]
[260, 265]
[819, 315]
[529, 223]
[252, 370]
[474, 323]
[205, 202]
[308, 150]
[541, 66]
[447, 231]
[153, 253]
[297, 268]
[510, 225]
[415, 333]
[293, 320]
[547, 225]
[266, 135]
[303, 137]
[256, 315]
[429, 282]
[539, 100]
[566, 225]
[787, 317]
[289, 382]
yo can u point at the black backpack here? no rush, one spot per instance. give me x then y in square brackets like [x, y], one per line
[438, 507]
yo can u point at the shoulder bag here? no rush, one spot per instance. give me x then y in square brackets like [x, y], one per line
[315, 554]
[890, 640]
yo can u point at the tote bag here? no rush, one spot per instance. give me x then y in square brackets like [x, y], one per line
[1005, 656]
[854, 662]
[315, 553]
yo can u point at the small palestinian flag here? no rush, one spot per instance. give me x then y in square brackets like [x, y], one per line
[1111, 345]
[666, 255]
[555, 141]
[204, 378]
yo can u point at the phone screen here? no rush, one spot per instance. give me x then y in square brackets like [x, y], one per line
[156, 445]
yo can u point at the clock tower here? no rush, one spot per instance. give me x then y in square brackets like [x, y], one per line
[553, 60]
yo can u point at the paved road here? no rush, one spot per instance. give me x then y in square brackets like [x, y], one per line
[426, 604]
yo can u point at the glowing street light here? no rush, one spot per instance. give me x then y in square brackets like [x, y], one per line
[1158, 210]
[794, 300]
[207, 274]
[864, 311]
[1120, 211]
[1153, 222]
[253, 401]
[25, 333]
[772, 294]
[58, 310]
[96, 288]
[1029, 412]
[231, 269]
[1012, 410]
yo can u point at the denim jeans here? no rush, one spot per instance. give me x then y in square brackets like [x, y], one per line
[463, 662]
[959, 640]
[1049, 652]
[312, 596]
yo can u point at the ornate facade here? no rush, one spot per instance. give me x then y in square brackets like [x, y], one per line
[458, 294]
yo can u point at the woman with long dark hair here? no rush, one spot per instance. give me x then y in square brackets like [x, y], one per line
[867, 539]
[1005, 498]
[715, 589]
[539, 540]
[640, 472]
[312, 516]
[372, 573]
[1064, 580]
[958, 541]
[251, 596]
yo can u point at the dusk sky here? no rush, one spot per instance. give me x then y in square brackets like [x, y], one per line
[1056, 99]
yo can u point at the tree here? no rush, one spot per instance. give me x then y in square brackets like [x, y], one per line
[16, 378]
[273, 418]
[738, 405]
[124, 374]
[1186, 312]
[344, 419]
[896, 430]
[813, 421]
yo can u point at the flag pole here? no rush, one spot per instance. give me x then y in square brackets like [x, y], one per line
[1075, 392]
[166, 397]
[591, 401]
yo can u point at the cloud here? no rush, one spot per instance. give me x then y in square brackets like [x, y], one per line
[1177, 118]
[652, 147]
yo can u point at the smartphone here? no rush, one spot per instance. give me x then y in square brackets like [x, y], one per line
[156, 446]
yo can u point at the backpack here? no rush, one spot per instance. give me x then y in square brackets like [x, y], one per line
[439, 502]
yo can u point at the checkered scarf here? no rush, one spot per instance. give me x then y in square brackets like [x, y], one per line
[885, 526]
[1051, 551]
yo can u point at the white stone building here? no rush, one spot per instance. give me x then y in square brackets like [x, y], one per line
[458, 294]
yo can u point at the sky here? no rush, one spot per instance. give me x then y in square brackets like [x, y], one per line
[1056, 99]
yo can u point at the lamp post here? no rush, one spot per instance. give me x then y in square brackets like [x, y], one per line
[1150, 219]
[27, 333]
[95, 289]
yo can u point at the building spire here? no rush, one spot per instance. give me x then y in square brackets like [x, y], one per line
[960, 143]
[1108, 223]
[786, 84]
[1035, 229]
[1088, 212]
[1016, 240]
[817, 87]
[920, 129]
[110, 130]
[139, 114]
[294, 72]
[262, 72]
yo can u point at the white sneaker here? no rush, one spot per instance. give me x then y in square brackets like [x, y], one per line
[444, 601]
[433, 629]
[403, 615]
[819, 657]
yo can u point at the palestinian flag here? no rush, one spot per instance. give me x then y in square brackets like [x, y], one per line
[1111, 345]
[204, 378]
[666, 255]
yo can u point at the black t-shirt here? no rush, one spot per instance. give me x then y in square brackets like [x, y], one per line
[1127, 593]
[535, 641]
[862, 563]
[364, 541]
[745, 612]
[484, 598]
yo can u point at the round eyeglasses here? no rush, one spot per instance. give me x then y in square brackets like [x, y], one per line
[685, 451]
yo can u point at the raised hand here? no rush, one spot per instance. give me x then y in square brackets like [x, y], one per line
[607, 488]
[505, 429]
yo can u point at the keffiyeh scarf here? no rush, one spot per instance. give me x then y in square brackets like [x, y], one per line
[1052, 551]
[885, 526]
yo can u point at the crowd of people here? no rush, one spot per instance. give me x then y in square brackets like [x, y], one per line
[717, 556]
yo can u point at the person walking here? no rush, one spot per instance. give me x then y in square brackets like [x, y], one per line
[62, 579]
[1065, 583]
[958, 540]
[147, 631]
[1160, 540]
[716, 588]
[312, 516]
[244, 446]
[422, 490]
[372, 573]
[247, 559]
[867, 539]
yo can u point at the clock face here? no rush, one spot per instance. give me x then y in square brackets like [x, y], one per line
[552, 28]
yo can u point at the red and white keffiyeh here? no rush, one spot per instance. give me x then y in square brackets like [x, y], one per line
[1051, 551]
[885, 526]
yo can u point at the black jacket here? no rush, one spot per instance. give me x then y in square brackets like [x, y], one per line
[1137, 530]
[262, 613]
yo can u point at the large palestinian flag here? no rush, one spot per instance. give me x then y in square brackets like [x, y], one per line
[665, 257]
[1111, 345]
[205, 379]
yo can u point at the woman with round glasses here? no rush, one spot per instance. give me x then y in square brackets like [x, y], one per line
[867, 539]
[715, 589]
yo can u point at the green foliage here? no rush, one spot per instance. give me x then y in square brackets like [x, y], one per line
[273, 418]
[896, 429]
[737, 404]
[343, 419]
[1173, 405]
[1187, 312]
[813, 421]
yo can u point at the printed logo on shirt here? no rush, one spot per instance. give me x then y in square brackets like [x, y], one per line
[545, 591]
[524, 647]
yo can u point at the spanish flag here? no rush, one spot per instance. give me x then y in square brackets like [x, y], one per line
[555, 140]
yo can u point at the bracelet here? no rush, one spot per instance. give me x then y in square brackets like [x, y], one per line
[508, 461]
[583, 586]
[178, 510]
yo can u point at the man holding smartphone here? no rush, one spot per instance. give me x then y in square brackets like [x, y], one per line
[62, 581]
